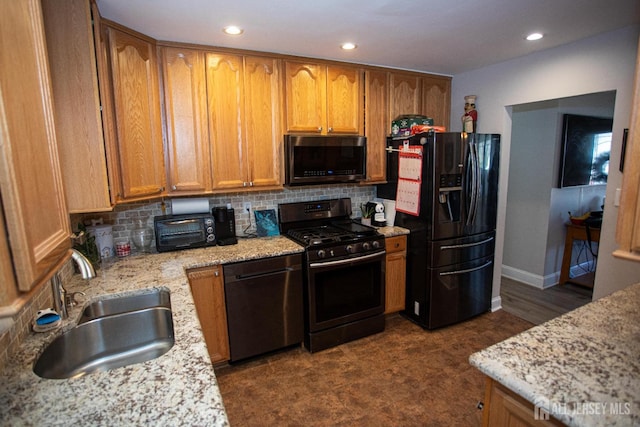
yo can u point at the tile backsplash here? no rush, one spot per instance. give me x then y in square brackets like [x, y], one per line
[123, 217]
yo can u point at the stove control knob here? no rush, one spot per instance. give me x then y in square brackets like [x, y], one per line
[366, 246]
[350, 249]
[321, 254]
[375, 244]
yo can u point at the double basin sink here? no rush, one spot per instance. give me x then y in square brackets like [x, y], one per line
[111, 333]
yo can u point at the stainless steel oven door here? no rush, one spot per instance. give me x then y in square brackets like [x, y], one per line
[346, 290]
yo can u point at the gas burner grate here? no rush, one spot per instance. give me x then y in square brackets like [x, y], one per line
[314, 236]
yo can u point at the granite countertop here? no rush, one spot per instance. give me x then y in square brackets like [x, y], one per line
[178, 388]
[583, 367]
[391, 231]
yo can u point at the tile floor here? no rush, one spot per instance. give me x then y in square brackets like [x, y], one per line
[404, 376]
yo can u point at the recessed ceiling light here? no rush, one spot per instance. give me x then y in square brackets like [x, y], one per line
[348, 46]
[534, 36]
[233, 30]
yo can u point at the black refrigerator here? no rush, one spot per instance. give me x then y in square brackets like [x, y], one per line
[452, 240]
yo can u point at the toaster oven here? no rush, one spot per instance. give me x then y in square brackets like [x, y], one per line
[186, 231]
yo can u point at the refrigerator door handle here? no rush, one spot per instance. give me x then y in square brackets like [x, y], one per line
[466, 245]
[468, 270]
[473, 154]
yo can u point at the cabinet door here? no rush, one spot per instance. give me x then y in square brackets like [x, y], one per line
[305, 97]
[628, 226]
[185, 108]
[396, 274]
[225, 94]
[344, 100]
[504, 408]
[262, 118]
[134, 72]
[72, 57]
[207, 288]
[8, 290]
[377, 124]
[404, 96]
[30, 181]
[436, 99]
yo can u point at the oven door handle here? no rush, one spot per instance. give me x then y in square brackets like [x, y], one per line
[346, 261]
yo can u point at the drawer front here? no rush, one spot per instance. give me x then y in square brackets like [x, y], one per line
[396, 244]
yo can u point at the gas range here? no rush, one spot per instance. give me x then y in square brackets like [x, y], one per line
[335, 242]
[325, 229]
[344, 271]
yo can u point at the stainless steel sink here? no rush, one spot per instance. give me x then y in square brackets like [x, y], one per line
[122, 304]
[108, 342]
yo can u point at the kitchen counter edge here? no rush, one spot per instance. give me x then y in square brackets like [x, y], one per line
[178, 388]
[582, 368]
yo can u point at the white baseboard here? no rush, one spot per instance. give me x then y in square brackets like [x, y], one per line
[496, 303]
[543, 282]
[535, 280]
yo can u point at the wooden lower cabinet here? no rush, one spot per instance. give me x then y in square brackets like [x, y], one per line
[503, 407]
[207, 288]
[396, 274]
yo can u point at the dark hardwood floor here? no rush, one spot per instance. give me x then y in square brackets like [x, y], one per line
[537, 305]
[404, 376]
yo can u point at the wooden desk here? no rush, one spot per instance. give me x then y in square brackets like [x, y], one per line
[576, 232]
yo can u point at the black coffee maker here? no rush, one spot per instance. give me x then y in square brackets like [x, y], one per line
[225, 219]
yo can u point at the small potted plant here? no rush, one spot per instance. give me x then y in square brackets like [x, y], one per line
[367, 213]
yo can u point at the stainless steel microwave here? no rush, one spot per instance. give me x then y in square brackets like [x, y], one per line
[315, 159]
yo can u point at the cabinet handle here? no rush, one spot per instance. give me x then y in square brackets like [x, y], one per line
[174, 188]
[244, 184]
[250, 183]
[216, 273]
[330, 129]
[319, 128]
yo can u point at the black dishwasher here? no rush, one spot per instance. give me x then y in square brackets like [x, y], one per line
[264, 305]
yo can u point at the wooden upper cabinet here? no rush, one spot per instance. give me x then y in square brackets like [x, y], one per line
[225, 94]
[405, 96]
[323, 99]
[74, 75]
[436, 99]
[262, 120]
[305, 98]
[244, 120]
[376, 123]
[345, 106]
[187, 153]
[33, 200]
[134, 71]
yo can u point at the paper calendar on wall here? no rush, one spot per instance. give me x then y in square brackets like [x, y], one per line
[409, 180]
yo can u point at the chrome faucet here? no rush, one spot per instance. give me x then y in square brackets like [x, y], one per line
[84, 265]
[62, 301]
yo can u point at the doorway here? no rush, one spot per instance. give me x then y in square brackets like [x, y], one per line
[537, 210]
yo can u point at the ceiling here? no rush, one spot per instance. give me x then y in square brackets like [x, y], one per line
[438, 36]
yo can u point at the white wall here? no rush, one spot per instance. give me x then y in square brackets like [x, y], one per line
[597, 64]
[536, 211]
